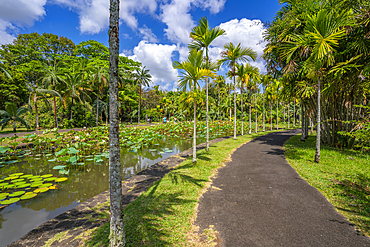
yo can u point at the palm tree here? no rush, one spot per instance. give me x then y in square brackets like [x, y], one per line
[321, 35]
[142, 78]
[99, 78]
[202, 36]
[231, 56]
[37, 92]
[12, 113]
[265, 80]
[53, 76]
[219, 83]
[193, 70]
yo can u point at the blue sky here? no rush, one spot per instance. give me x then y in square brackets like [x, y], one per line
[154, 32]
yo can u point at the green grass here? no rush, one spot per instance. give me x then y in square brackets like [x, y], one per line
[342, 176]
[164, 215]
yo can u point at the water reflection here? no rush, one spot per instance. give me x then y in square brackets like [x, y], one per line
[84, 182]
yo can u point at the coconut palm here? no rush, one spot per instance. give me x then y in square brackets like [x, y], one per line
[202, 36]
[193, 70]
[142, 78]
[230, 57]
[11, 113]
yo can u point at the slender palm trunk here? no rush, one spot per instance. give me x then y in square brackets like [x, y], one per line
[97, 108]
[271, 115]
[138, 117]
[117, 231]
[218, 104]
[234, 104]
[294, 116]
[241, 100]
[288, 117]
[264, 114]
[318, 128]
[277, 114]
[284, 112]
[72, 108]
[302, 126]
[207, 142]
[250, 112]
[14, 126]
[195, 134]
[256, 113]
[230, 106]
[36, 113]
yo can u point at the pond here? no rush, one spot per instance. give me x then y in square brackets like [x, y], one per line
[84, 182]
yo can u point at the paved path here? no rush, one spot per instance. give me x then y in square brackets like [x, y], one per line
[260, 200]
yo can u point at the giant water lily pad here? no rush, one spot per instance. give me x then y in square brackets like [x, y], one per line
[62, 179]
[28, 196]
[10, 201]
[50, 179]
[17, 193]
[47, 175]
[24, 185]
[16, 174]
[34, 185]
[41, 190]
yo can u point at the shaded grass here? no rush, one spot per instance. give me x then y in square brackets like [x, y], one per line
[342, 176]
[164, 214]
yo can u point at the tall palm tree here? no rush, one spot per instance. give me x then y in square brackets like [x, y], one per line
[202, 36]
[231, 56]
[320, 37]
[219, 83]
[99, 78]
[142, 78]
[193, 70]
[37, 92]
[53, 76]
[265, 80]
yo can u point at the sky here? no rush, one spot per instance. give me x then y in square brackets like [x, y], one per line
[153, 32]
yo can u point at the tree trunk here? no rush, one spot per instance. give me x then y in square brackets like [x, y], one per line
[294, 114]
[117, 232]
[241, 100]
[97, 108]
[195, 134]
[72, 108]
[318, 128]
[55, 111]
[288, 117]
[284, 112]
[277, 114]
[256, 113]
[14, 126]
[302, 118]
[264, 114]
[138, 117]
[234, 104]
[207, 142]
[250, 111]
[271, 115]
[36, 113]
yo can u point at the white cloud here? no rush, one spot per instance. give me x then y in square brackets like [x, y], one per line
[158, 59]
[18, 13]
[148, 34]
[178, 20]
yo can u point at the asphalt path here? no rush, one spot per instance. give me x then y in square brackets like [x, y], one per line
[258, 199]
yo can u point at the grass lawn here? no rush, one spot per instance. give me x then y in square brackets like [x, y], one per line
[164, 215]
[342, 176]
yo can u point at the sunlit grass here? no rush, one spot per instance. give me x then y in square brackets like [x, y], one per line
[342, 176]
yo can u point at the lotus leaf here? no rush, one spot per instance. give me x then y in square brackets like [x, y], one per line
[17, 193]
[64, 171]
[28, 196]
[89, 159]
[48, 155]
[152, 150]
[80, 164]
[72, 150]
[10, 201]
[59, 167]
[52, 160]
[62, 179]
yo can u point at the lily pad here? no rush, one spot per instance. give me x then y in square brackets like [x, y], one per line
[47, 175]
[89, 159]
[17, 193]
[54, 187]
[19, 183]
[16, 174]
[10, 162]
[11, 178]
[34, 185]
[50, 179]
[62, 179]
[17, 180]
[24, 185]
[41, 190]
[4, 194]
[28, 196]
[10, 201]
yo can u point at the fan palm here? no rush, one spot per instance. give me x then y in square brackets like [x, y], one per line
[231, 56]
[12, 113]
[142, 78]
[192, 70]
[202, 36]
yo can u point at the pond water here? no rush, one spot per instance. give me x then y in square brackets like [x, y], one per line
[84, 182]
